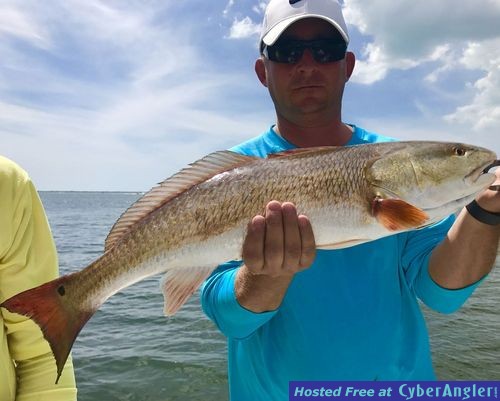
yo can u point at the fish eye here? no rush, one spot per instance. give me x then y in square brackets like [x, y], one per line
[459, 151]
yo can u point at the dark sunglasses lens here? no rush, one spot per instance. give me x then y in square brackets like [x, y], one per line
[285, 53]
[328, 52]
[323, 51]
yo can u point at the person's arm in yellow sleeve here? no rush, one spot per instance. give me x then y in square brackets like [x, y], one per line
[28, 258]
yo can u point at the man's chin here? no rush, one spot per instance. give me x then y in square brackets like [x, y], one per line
[310, 105]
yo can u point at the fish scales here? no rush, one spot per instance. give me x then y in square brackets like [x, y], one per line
[228, 201]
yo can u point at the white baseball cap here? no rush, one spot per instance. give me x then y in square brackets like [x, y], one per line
[280, 14]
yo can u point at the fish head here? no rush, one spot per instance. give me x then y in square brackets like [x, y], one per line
[432, 175]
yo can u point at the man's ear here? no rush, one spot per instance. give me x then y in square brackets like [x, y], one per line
[350, 61]
[260, 70]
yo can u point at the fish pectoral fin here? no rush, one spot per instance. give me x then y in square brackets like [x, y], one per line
[179, 284]
[396, 214]
[343, 244]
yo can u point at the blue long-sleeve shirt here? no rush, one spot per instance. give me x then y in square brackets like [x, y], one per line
[353, 315]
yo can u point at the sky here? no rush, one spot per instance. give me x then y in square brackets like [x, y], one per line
[117, 95]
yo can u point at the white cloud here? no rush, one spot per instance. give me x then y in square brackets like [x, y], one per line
[137, 139]
[17, 24]
[244, 28]
[375, 65]
[407, 34]
[444, 35]
[260, 8]
[484, 111]
[410, 29]
[121, 100]
[447, 58]
[115, 95]
[228, 8]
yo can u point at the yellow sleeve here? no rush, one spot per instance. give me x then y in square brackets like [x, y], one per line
[28, 258]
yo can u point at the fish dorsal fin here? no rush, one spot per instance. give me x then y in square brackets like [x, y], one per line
[196, 173]
[303, 151]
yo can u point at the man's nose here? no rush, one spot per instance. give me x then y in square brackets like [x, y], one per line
[307, 60]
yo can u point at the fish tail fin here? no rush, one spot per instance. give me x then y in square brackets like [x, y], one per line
[50, 306]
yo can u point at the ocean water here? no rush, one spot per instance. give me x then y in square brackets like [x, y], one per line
[130, 352]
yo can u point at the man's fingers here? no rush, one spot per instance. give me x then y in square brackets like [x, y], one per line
[273, 243]
[496, 185]
[308, 243]
[292, 242]
[253, 246]
[281, 242]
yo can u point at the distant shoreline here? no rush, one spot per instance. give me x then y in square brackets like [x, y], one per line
[95, 192]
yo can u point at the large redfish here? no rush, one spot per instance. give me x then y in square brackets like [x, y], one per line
[197, 219]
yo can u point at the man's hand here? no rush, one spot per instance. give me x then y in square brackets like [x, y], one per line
[490, 200]
[278, 245]
[468, 252]
[281, 243]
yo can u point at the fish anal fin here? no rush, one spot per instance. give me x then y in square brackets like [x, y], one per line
[396, 214]
[179, 284]
[196, 173]
[47, 305]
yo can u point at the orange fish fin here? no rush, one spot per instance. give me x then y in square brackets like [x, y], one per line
[343, 244]
[59, 322]
[396, 214]
[179, 284]
[197, 172]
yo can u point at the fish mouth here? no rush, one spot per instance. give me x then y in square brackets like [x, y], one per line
[484, 169]
[474, 183]
[495, 163]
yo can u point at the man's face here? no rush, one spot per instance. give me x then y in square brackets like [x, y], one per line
[307, 92]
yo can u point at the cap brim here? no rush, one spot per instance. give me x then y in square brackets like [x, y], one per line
[275, 32]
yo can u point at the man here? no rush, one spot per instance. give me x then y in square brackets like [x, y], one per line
[291, 313]
[27, 258]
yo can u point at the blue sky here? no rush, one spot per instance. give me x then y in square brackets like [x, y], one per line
[118, 95]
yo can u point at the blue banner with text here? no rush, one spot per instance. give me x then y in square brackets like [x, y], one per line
[394, 391]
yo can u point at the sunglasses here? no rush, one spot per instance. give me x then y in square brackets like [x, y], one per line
[290, 51]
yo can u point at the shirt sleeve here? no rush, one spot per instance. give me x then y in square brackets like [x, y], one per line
[417, 249]
[218, 300]
[28, 258]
